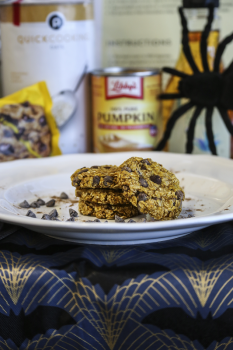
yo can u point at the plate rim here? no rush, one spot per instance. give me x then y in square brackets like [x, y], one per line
[122, 228]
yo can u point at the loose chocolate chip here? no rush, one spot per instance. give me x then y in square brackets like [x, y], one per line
[20, 133]
[63, 195]
[179, 195]
[131, 221]
[40, 202]
[96, 180]
[53, 214]
[108, 180]
[42, 121]
[126, 168]
[42, 147]
[7, 149]
[105, 221]
[125, 188]
[28, 119]
[156, 179]
[73, 213]
[142, 197]
[174, 202]
[143, 182]
[71, 219]
[35, 205]
[25, 104]
[24, 205]
[54, 219]
[95, 167]
[30, 214]
[50, 203]
[8, 133]
[144, 167]
[83, 171]
[46, 217]
[97, 220]
[146, 161]
[118, 219]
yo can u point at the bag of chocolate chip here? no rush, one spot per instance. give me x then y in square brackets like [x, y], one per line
[27, 126]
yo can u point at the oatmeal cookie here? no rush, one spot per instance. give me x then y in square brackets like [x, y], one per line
[95, 177]
[107, 211]
[101, 196]
[151, 188]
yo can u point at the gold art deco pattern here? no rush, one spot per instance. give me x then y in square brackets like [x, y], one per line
[156, 296]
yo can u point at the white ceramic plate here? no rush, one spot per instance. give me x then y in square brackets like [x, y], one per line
[207, 181]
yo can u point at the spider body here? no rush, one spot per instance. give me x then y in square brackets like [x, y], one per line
[204, 90]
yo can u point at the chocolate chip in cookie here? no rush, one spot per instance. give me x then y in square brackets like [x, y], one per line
[179, 195]
[126, 168]
[142, 197]
[108, 180]
[83, 171]
[143, 182]
[146, 161]
[96, 180]
[156, 179]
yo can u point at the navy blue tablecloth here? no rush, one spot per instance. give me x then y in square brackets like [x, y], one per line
[172, 295]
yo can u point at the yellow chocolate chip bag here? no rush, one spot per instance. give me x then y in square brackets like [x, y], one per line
[27, 126]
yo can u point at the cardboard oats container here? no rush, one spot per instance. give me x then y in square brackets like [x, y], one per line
[126, 110]
[52, 42]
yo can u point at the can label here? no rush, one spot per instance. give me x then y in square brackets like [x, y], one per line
[126, 113]
[52, 43]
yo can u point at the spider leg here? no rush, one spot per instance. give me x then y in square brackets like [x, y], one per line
[204, 39]
[226, 120]
[185, 42]
[209, 130]
[170, 96]
[171, 122]
[220, 50]
[191, 129]
[175, 72]
[229, 70]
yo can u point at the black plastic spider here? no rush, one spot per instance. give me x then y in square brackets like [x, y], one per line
[208, 89]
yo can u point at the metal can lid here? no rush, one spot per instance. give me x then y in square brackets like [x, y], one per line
[200, 3]
[45, 2]
[119, 71]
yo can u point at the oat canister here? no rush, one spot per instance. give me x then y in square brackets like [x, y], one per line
[126, 110]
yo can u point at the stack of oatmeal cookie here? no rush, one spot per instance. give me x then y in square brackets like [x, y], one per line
[99, 194]
[138, 186]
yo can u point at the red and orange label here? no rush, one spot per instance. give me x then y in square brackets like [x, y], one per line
[126, 113]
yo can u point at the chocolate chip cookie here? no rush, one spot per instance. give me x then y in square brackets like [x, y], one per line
[151, 188]
[96, 177]
[101, 196]
[107, 211]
